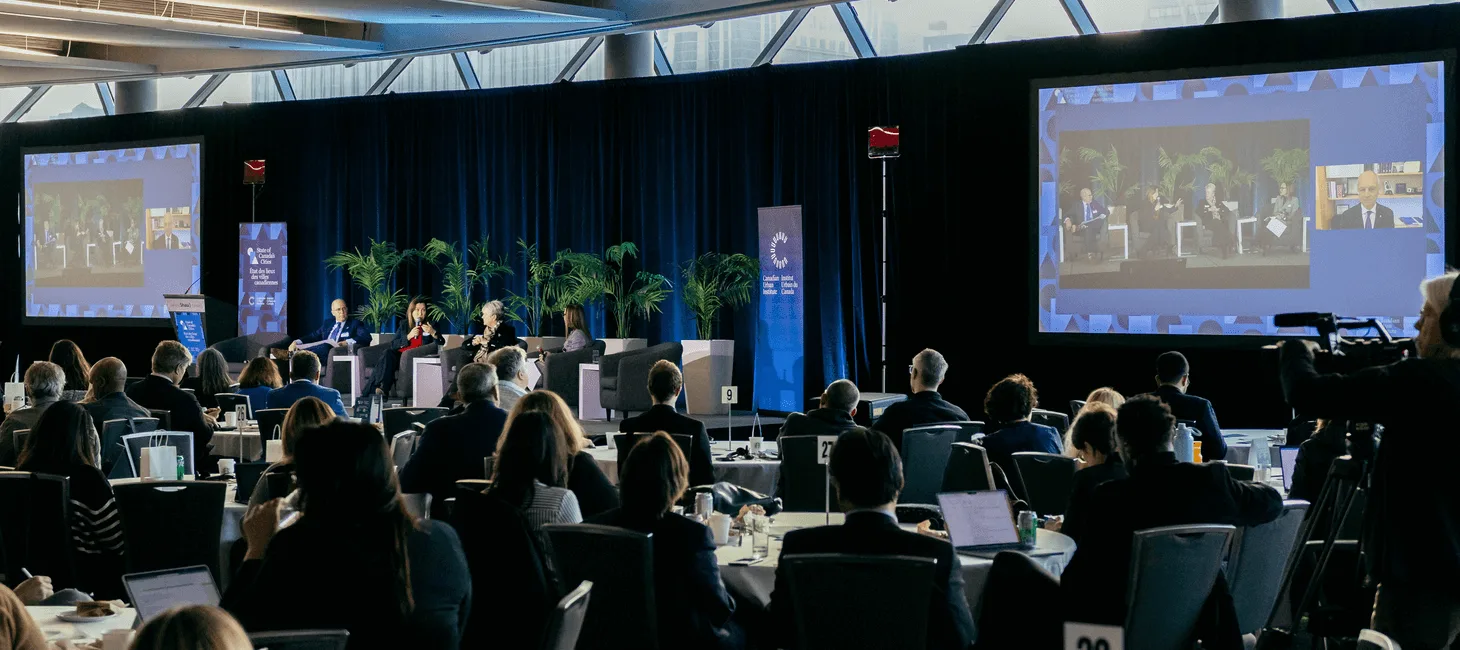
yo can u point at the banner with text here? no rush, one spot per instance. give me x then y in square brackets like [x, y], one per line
[780, 352]
[263, 278]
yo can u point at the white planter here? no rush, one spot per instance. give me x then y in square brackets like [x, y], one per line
[544, 342]
[615, 346]
[708, 366]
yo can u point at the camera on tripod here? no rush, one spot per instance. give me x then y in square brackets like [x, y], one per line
[1345, 354]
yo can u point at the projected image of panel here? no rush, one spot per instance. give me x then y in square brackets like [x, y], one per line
[110, 231]
[1208, 205]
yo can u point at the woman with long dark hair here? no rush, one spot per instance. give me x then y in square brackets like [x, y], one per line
[421, 338]
[355, 559]
[585, 479]
[529, 472]
[213, 378]
[67, 354]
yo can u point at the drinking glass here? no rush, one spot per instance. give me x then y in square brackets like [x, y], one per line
[760, 534]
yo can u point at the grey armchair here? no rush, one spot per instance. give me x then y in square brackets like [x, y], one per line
[624, 377]
[560, 370]
[240, 349]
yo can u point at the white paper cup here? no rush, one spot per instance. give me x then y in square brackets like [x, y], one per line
[226, 466]
[755, 443]
[720, 527]
[230, 419]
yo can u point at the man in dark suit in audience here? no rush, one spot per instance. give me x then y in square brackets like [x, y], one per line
[838, 407]
[1173, 378]
[108, 381]
[1368, 214]
[665, 382]
[43, 382]
[925, 405]
[159, 391]
[455, 447]
[304, 382]
[867, 473]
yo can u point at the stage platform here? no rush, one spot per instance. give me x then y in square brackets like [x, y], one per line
[718, 426]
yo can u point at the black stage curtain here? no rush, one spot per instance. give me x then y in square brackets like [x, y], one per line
[679, 165]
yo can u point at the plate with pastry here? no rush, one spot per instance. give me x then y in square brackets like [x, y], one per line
[90, 612]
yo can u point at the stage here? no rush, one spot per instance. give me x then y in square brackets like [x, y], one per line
[718, 426]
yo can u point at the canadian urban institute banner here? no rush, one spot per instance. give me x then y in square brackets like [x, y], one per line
[263, 278]
[780, 352]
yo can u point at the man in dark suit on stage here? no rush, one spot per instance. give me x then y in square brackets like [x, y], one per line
[109, 382]
[867, 473]
[303, 382]
[925, 405]
[1368, 214]
[334, 333]
[159, 391]
[455, 447]
[665, 382]
[1173, 378]
[1088, 221]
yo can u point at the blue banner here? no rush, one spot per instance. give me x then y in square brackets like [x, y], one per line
[263, 278]
[780, 348]
[189, 326]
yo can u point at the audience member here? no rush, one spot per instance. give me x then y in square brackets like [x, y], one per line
[1093, 436]
[834, 416]
[67, 354]
[109, 402]
[1315, 457]
[595, 493]
[924, 405]
[394, 581]
[43, 383]
[693, 606]
[308, 413]
[213, 378]
[1173, 379]
[456, 447]
[159, 391]
[18, 631]
[1106, 395]
[665, 383]
[304, 382]
[526, 453]
[192, 627]
[63, 442]
[1008, 405]
[260, 377]
[512, 384]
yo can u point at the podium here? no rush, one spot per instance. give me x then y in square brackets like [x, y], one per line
[187, 320]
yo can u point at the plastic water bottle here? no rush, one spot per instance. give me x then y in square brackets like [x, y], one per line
[1181, 444]
[289, 510]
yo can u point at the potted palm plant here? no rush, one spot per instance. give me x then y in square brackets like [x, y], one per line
[375, 273]
[712, 282]
[537, 300]
[630, 296]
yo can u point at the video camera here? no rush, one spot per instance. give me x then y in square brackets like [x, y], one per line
[1347, 355]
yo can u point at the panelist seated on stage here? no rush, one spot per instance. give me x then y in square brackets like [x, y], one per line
[665, 383]
[421, 340]
[1088, 221]
[303, 382]
[334, 333]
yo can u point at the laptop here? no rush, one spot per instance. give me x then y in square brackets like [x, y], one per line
[154, 592]
[1289, 458]
[980, 523]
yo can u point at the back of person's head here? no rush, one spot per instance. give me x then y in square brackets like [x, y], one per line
[108, 376]
[477, 382]
[1145, 426]
[44, 381]
[654, 476]
[63, 437]
[1094, 427]
[574, 319]
[170, 357]
[929, 368]
[192, 627]
[304, 365]
[866, 469]
[67, 354]
[841, 395]
[1012, 399]
[508, 361]
[213, 372]
[525, 453]
[569, 434]
[1431, 342]
[308, 413]
[260, 371]
[1171, 367]
[1107, 396]
[665, 381]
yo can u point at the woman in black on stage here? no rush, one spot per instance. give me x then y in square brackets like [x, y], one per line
[420, 340]
[1158, 222]
[1219, 219]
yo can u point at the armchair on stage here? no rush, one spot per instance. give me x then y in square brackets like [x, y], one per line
[624, 377]
[240, 349]
[560, 370]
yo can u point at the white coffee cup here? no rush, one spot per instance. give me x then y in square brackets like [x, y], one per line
[226, 466]
[720, 527]
[755, 443]
[230, 419]
[116, 639]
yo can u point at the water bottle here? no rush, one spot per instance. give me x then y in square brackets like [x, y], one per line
[1181, 444]
[181, 467]
[375, 403]
[289, 510]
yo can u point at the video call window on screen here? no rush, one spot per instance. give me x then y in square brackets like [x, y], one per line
[1205, 205]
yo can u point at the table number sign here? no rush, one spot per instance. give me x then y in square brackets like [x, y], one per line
[1084, 636]
[729, 394]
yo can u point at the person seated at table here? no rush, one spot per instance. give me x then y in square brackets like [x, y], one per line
[304, 382]
[18, 629]
[63, 442]
[395, 581]
[866, 471]
[260, 377]
[192, 627]
[1008, 405]
[1105, 395]
[924, 405]
[423, 339]
[108, 380]
[334, 333]
[527, 453]
[1093, 435]
[159, 390]
[212, 378]
[455, 447]
[833, 418]
[693, 606]
[665, 383]
[67, 354]
[308, 413]
[1173, 380]
[43, 383]
[586, 479]
[511, 365]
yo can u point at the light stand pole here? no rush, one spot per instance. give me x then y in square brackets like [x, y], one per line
[882, 144]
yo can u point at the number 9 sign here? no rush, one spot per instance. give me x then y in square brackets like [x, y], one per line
[729, 394]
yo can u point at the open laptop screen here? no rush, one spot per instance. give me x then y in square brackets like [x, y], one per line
[976, 519]
[155, 592]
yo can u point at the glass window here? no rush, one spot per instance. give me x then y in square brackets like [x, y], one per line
[427, 74]
[65, 102]
[819, 38]
[1027, 19]
[523, 65]
[592, 70]
[1394, 4]
[10, 98]
[724, 45]
[1131, 15]
[245, 88]
[912, 26]
[1297, 8]
[173, 92]
[340, 80]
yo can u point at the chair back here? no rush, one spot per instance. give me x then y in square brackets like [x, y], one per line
[164, 418]
[968, 469]
[560, 370]
[1076, 405]
[143, 425]
[620, 564]
[227, 402]
[271, 423]
[567, 619]
[1059, 421]
[418, 504]
[181, 440]
[1242, 472]
[35, 516]
[1260, 556]
[859, 601]
[171, 524]
[401, 446]
[1239, 453]
[502, 551]
[1371, 640]
[802, 478]
[925, 453]
[1172, 573]
[401, 418]
[18, 436]
[624, 443]
[1047, 478]
[967, 430]
[112, 450]
[300, 640]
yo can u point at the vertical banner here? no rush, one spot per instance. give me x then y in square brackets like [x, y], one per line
[263, 278]
[780, 352]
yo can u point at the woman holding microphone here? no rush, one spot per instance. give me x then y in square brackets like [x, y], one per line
[422, 338]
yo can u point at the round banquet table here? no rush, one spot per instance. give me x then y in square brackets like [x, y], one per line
[232, 530]
[56, 630]
[758, 475]
[227, 444]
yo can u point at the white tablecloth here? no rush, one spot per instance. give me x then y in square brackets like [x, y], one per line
[56, 629]
[758, 475]
[232, 530]
[225, 444]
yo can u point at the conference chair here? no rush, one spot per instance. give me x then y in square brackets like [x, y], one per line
[1260, 557]
[18, 437]
[1371, 640]
[239, 350]
[623, 378]
[560, 371]
[171, 524]
[112, 450]
[227, 402]
[859, 601]
[502, 551]
[1075, 406]
[1239, 453]
[418, 504]
[1172, 573]
[398, 419]
[271, 423]
[967, 430]
[801, 483]
[300, 640]
[143, 425]
[164, 418]
[1059, 421]
[402, 445]
[1045, 480]
[35, 515]
[624, 443]
[925, 452]
[182, 441]
[620, 564]
[1242, 472]
[968, 469]
[567, 619]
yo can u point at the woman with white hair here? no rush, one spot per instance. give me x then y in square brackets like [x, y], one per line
[496, 334]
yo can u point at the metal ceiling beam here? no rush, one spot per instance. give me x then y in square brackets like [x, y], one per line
[576, 63]
[108, 102]
[990, 22]
[661, 60]
[205, 91]
[1343, 6]
[466, 71]
[846, 14]
[1080, 17]
[389, 76]
[61, 15]
[26, 104]
[286, 87]
[28, 60]
[778, 40]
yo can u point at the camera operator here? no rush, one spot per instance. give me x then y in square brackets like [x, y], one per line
[1412, 526]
